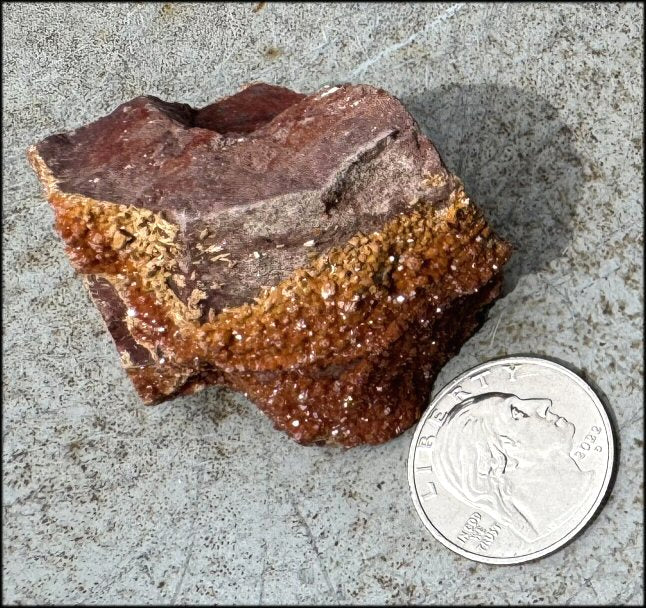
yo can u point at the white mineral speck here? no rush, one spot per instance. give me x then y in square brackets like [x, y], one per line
[256, 255]
[495, 267]
[438, 309]
[132, 312]
[295, 423]
[400, 299]
[309, 243]
[329, 91]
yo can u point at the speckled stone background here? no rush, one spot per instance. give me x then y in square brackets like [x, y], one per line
[537, 107]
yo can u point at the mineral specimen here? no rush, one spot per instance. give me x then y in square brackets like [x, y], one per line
[311, 251]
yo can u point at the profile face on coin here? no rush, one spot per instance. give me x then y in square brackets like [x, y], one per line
[511, 460]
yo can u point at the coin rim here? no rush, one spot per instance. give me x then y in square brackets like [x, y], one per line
[555, 546]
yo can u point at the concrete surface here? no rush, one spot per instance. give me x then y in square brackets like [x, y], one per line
[199, 500]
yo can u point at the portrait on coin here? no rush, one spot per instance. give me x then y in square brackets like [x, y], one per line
[511, 458]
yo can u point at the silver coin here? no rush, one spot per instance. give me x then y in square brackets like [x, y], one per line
[511, 460]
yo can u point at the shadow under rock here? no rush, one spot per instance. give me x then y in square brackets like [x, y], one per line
[518, 161]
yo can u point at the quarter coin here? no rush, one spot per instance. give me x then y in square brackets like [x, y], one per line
[511, 460]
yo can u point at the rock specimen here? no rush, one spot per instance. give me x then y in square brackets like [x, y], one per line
[310, 251]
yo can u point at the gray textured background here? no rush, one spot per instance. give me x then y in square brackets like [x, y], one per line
[538, 107]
